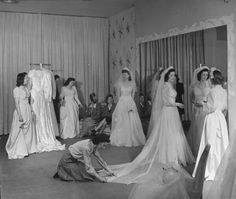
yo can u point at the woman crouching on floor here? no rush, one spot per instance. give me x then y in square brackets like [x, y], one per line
[76, 164]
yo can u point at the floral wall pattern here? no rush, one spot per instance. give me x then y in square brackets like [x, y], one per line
[122, 44]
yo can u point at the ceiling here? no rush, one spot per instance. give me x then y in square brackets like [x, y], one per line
[91, 8]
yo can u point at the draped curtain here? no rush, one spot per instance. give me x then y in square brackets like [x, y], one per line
[75, 46]
[184, 52]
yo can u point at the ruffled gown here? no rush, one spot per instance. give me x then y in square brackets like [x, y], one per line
[22, 138]
[215, 131]
[69, 114]
[126, 125]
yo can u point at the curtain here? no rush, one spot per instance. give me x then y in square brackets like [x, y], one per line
[184, 52]
[75, 46]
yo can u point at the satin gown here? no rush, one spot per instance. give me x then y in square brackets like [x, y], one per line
[199, 95]
[69, 114]
[126, 125]
[22, 138]
[41, 94]
[215, 131]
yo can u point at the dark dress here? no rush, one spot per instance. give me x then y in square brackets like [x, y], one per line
[180, 93]
[74, 166]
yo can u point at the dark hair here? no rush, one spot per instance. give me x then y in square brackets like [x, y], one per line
[126, 71]
[166, 78]
[109, 95]
[20, 79]
[91, 96]
[217, 78]
[200, 73]
[56, 77]
[101, 138]
[70, 79]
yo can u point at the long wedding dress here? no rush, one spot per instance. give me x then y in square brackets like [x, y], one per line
[157, 164]
[126, 125]
[69, 113]
[41, 93]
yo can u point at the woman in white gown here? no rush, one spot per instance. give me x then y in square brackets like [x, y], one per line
[69, 111]
[22, 138]
[126, 125]
[159, 163]
[215, 131]
[41, 93]
[199, 91]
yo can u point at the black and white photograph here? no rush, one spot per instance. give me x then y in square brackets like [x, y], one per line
[117, 99]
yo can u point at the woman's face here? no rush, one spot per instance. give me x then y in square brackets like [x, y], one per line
[109, 100]
[204, 76]
[26, 79]
[172, 77]
[72, 83]
[125, 76]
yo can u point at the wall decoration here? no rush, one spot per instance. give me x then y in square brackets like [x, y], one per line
[122, 42]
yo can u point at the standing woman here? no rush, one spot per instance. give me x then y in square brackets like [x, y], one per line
[199, 92]
[215, 131]
[126, 125]
[22, 138]
[69, 113]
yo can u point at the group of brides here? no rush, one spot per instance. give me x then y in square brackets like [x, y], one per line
[166, 150]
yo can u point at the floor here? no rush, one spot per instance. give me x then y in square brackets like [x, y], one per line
[31, 177]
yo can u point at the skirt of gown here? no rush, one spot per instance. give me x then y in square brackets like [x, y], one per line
[69, 119]
[215, 133]
[126, 125]
[22, 138]
[195, 132]
[172, 145]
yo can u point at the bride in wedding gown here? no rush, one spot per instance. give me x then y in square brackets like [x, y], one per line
[164, 152]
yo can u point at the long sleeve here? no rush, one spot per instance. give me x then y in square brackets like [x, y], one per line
[168, 96]
[47, 86]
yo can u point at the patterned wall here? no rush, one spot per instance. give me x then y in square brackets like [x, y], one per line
[122, 44]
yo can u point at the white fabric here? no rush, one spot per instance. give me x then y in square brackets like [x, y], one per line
[22, 139]
[126, 125]
[215, 131]
[41, 94]
[224, 184]
[151, 161]
[75, 46]
[69, 114]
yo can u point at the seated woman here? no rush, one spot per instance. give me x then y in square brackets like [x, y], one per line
[106, 115]
[93, 116]
[76, 164]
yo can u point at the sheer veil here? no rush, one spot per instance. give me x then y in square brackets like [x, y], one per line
[145, 166]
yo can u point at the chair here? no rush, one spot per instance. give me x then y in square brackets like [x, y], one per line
[195, 185]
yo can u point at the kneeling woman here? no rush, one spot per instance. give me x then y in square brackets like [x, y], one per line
[76, 164]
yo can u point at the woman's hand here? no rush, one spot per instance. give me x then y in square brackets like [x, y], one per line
[102, 179]
[180, 105]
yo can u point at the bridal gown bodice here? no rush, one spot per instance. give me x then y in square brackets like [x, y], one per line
[41, 93]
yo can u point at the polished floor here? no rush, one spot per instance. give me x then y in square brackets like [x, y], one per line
[31, 177]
